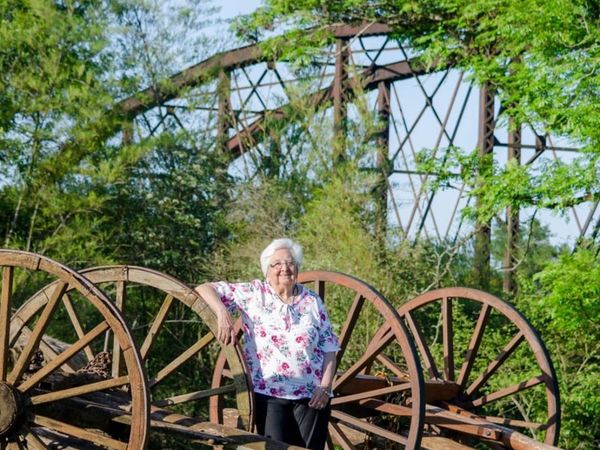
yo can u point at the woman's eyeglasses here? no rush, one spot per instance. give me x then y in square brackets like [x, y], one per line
[278, 265]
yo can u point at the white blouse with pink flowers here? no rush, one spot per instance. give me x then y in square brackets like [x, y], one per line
[284, 345]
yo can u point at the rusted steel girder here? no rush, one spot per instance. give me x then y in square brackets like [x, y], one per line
[370, 78]
[485, 143]
[512, 214]
[210, 68]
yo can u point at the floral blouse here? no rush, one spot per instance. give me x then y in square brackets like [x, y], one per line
[284, 345]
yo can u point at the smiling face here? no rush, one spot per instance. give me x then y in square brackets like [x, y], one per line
[282, 271]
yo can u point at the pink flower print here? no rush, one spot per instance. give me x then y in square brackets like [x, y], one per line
[323, 317]
[259, 355]
[308, 369]
[285, 366]
[262, 333]
[262, 385]
[273, 391]
[318, 373]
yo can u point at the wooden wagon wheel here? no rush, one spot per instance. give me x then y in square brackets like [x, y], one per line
[39, 390]
[378, 385]
[172, 327]
[482, 357]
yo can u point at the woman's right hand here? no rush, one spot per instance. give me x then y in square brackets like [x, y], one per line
[226, 332]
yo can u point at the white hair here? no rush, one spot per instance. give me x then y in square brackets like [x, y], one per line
[294, 248]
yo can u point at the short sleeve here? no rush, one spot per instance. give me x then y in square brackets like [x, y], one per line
[234, 296]
[328, 341]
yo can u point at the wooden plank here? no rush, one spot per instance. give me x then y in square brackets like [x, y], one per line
[81, 433]
[368, 427]
[191, 396]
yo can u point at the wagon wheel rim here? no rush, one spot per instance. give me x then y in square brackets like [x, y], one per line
[471, 377]
[378, 388]
[29, 383]
[173, 294]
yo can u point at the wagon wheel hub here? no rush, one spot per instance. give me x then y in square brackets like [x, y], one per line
[11, 409]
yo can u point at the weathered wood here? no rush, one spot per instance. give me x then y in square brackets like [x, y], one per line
[57, 362]
[76, 321]
[5, 311]
[78, 432]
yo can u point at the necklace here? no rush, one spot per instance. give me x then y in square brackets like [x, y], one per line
[289, 300]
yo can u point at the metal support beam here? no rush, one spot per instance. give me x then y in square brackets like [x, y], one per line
[382, 161]
[486, 147]
[224, 120]
[512, 214]
[339, 101]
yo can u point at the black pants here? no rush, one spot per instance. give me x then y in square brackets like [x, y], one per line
[292, 421]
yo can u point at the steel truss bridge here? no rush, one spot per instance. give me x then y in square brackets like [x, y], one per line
[240, 96]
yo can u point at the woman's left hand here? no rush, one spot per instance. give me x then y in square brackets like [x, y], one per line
[320, 398]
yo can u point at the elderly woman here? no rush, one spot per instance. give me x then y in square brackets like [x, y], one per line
[289, 346]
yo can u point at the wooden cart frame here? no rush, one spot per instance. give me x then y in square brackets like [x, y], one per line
[452, 368]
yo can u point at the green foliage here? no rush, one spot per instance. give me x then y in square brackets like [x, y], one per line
[563, 302]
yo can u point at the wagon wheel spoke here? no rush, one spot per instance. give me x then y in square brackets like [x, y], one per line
[495, 364]
[392, 366]
[172, 352]
[5, 305]
[42, 389]
[76, 322]
[362, 362]
[353, 314]
[182, 358]
[63, 357]
[33, 440]
[448, 337]
[81, 433]
[375, 362]
[120, 298]
[513, 423]
[340, 437]
[422, 346]
[368, 427]
[157, 323]
[505, 392]
[474, 345]
[492, 383]
[369, 394]
[80, 390]
[37, 333]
